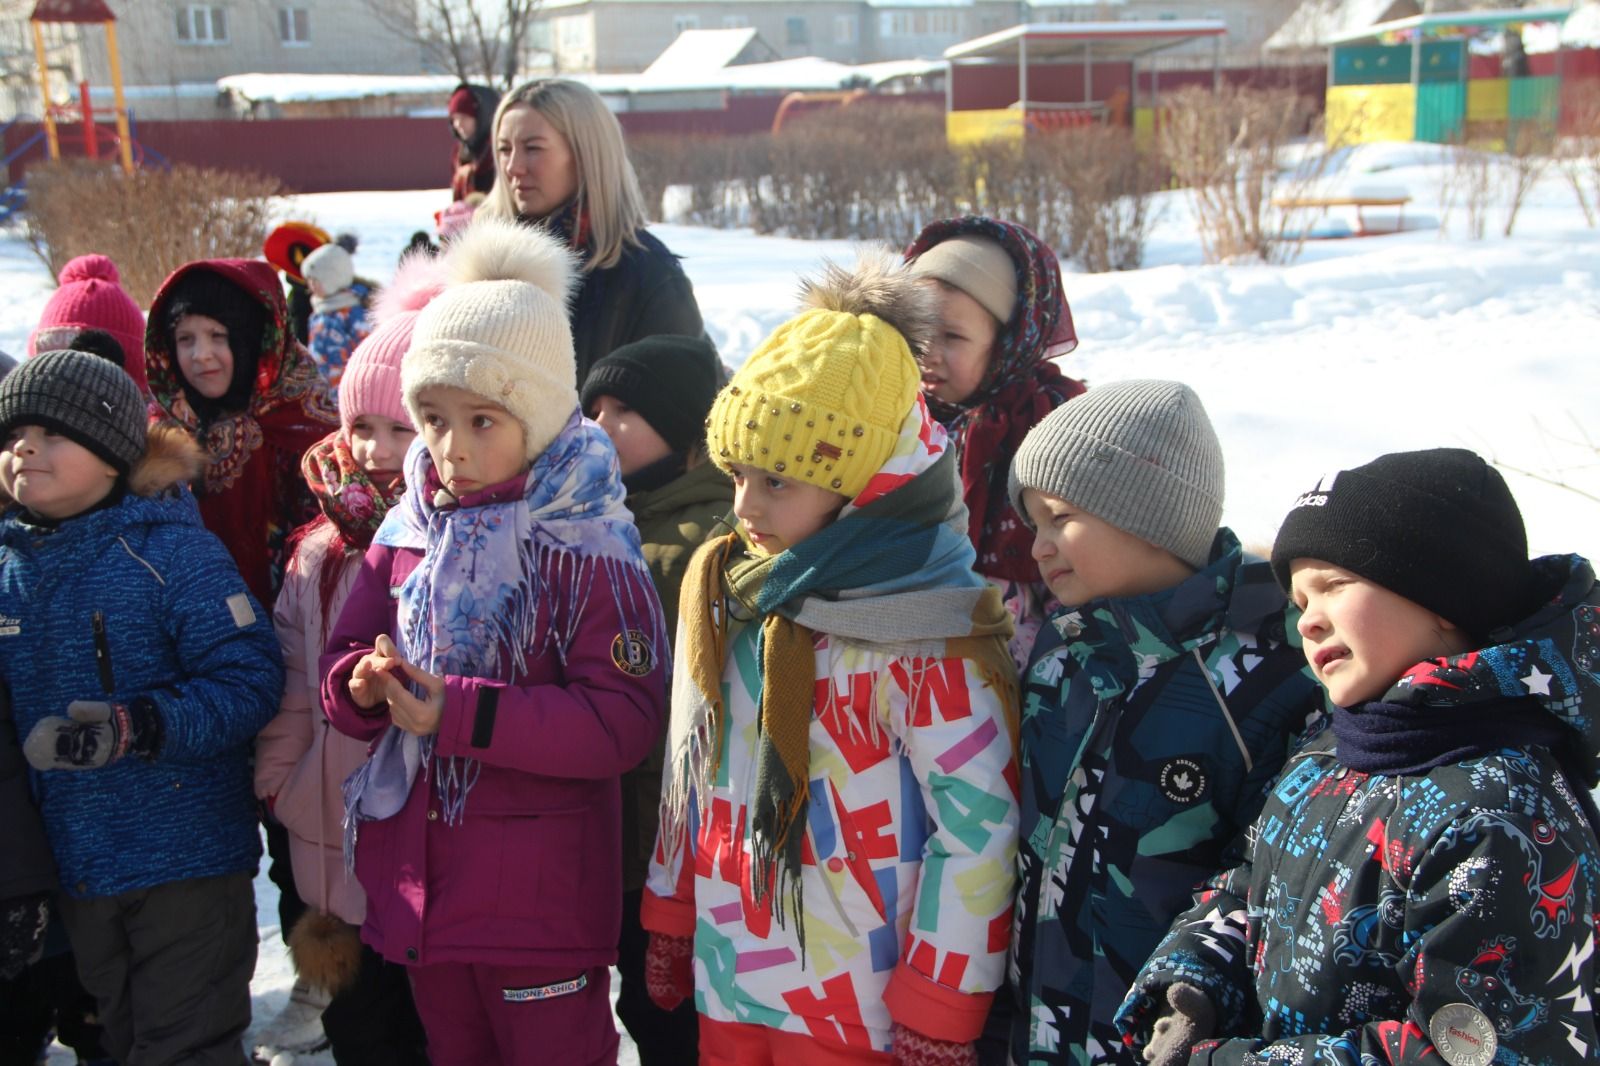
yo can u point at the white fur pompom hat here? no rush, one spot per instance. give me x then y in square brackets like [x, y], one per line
[500, 329]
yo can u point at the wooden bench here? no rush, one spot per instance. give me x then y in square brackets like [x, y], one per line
[1360, 203]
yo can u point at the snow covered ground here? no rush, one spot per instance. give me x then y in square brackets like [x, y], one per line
[1413, 340]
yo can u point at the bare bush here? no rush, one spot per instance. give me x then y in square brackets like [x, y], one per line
[1580, 156]
[1227, 147]
[1109, 181]
[1530, 152]
[1471, 182]
[149, 222]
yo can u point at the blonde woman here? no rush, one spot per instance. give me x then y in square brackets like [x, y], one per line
[560, 162]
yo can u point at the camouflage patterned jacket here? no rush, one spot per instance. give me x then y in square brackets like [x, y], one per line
[1445, 918]
[1152, 727]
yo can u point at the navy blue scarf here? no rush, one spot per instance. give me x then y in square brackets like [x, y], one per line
[1395, 739]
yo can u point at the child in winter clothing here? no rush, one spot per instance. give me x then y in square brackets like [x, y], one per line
[652, 397]
[1421, 886]
[989, 378]
[833, 876]
[139, 667]
[286, 248]
[339, 318]
[1161, 700]
[301, 761]
[504, 649]
[223, 366]
[91, 296]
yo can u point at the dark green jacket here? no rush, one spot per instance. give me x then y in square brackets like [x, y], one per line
[673, 521]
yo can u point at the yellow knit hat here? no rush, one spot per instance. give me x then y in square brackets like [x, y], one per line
[821, 401]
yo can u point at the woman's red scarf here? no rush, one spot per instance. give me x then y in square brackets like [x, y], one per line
[1021, 388]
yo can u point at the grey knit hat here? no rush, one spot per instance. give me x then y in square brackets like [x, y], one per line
[1140, 455]
[81, 396]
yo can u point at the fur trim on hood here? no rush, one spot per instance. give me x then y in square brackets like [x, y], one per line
[171, 456]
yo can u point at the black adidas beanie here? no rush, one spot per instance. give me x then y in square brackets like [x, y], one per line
[1438, 527]
[81, 396]
[670, 380]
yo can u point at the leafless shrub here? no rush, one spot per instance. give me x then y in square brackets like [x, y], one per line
[148, 222]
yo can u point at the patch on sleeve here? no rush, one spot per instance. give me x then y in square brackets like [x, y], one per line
[632, 653]
[1463, 1035]
[244, 615]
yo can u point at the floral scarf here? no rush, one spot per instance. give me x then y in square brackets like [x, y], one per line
[471, 606]
[1022, 387]
[352, 503]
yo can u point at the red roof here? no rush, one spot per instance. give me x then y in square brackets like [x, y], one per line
[72, 11]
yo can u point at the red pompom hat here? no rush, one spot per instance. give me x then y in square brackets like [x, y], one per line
[91, 296]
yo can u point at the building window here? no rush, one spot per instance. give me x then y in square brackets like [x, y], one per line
[945, 23]
[294, 25]
[684, 22]
[734, 22]
[796, 31]
[202, 24]
[895, 24]
[845, 29]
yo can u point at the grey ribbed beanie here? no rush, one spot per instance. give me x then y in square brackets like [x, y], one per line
[81, 396]
[1139, 454]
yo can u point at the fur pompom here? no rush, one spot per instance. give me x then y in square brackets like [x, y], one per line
[496, 249]
[881, 285]
[418, 279]
[326, 951]
[171, 455]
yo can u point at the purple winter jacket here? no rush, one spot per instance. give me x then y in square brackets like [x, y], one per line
[530, 875]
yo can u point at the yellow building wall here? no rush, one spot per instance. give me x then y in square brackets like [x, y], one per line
[975, 127]
[1361, 114]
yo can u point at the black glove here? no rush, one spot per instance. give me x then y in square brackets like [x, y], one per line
[1190, 1019]
[22, 924]
[94, 734]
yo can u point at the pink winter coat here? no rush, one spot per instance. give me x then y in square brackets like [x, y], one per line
[531, 875]
[300, 758]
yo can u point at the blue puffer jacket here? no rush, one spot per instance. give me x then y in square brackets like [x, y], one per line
[138, 599]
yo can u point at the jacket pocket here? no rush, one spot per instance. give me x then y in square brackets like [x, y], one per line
[543, 857]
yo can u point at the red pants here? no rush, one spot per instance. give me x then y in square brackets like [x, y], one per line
[738, 1044]
[515, 1015]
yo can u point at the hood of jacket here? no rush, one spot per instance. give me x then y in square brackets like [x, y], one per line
[154, 495]
[1551, 657]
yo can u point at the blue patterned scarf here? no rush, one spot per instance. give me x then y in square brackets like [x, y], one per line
[471, 607]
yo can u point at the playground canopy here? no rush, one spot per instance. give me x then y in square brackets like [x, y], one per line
[1039, 44]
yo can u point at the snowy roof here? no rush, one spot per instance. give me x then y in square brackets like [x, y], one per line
[1582, 28]
[1453, 24]
[694, 51]
[1315, 21]
[1111, 40]
[186, 90]
[809, 73]
[284, 88]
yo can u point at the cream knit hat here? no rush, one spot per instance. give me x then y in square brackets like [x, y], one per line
[500, 329]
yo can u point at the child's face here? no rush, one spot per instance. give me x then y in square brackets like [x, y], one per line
[958, 358]
[1359, 637]
[51, 475]
[475, 444]
[1083, 557]
[379, 443]
[204, 356]
[778, 513]
[318, 289]
[636, 440]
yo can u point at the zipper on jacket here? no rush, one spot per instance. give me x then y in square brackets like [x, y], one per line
[102, 654]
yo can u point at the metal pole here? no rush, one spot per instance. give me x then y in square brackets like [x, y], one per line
[91, 141]
[1155, 97]
[124, 134]
[1088, 83]
[1022, 75]
[51, 139]
[1216, 64]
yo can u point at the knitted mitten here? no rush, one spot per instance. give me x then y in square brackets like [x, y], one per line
[1190, 1020]
[94, 734]
[912, 1048]
[669, 970]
